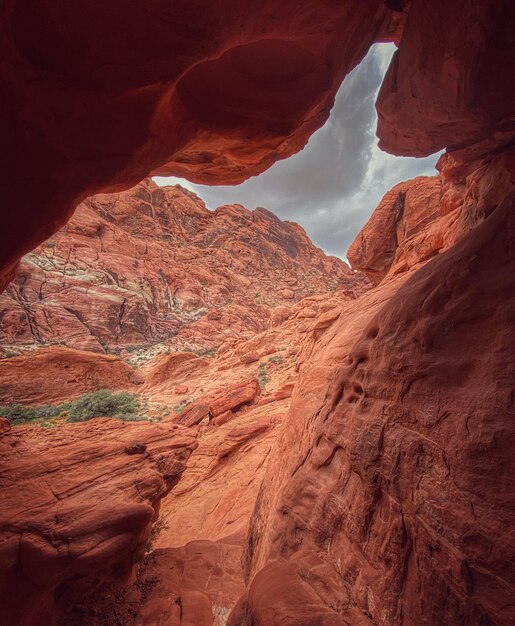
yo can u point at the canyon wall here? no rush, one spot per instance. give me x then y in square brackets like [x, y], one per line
[381, 504]
[387, 500]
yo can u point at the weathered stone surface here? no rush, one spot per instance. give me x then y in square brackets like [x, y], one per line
[77, 510]
[380, 494]
[52, 375]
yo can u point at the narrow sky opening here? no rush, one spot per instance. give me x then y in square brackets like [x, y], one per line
[334, 184]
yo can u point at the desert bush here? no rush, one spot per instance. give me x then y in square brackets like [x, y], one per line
[105, 403]
[20, 414]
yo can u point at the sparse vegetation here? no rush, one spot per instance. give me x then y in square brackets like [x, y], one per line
[21, 414]
[102, 403]
[179, 408]
[209, 352]
[104, 345]
[262, 377]
[159, 526]
[276, 360]
[105, 403]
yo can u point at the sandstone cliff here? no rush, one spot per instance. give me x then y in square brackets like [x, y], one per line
[152, 268]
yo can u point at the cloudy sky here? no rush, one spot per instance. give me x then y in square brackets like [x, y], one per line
[334, 184]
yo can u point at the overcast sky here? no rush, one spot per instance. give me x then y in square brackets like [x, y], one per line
[334, 184]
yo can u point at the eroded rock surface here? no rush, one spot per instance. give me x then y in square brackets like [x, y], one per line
[77, 509]
[382, 495]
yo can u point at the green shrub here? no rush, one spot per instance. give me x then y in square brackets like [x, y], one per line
[20, 414]
[104, 403]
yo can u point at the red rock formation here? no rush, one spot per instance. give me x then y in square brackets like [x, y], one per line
[77, 508]
[420, 218]
[154, 265]
[52, 375]
[96, 98]
[387, 497]
[380, 497]
[225, 401]
[446, 86]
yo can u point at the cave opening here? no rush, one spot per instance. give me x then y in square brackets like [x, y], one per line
[256, 365]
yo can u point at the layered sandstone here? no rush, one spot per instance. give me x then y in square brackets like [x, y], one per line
[154, 267]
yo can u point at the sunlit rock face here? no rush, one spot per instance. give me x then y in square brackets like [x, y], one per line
[94, 98]
[153, 266]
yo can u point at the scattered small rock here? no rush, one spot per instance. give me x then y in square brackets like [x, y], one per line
[135, 448]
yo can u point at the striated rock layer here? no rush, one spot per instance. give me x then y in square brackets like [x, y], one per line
[154, 266]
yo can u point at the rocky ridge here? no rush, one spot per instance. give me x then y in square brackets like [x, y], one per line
[154, 267]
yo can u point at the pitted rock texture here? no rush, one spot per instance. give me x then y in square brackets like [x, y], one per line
[152, 265]
[97, 97]
[77, 510]
[387, 500]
